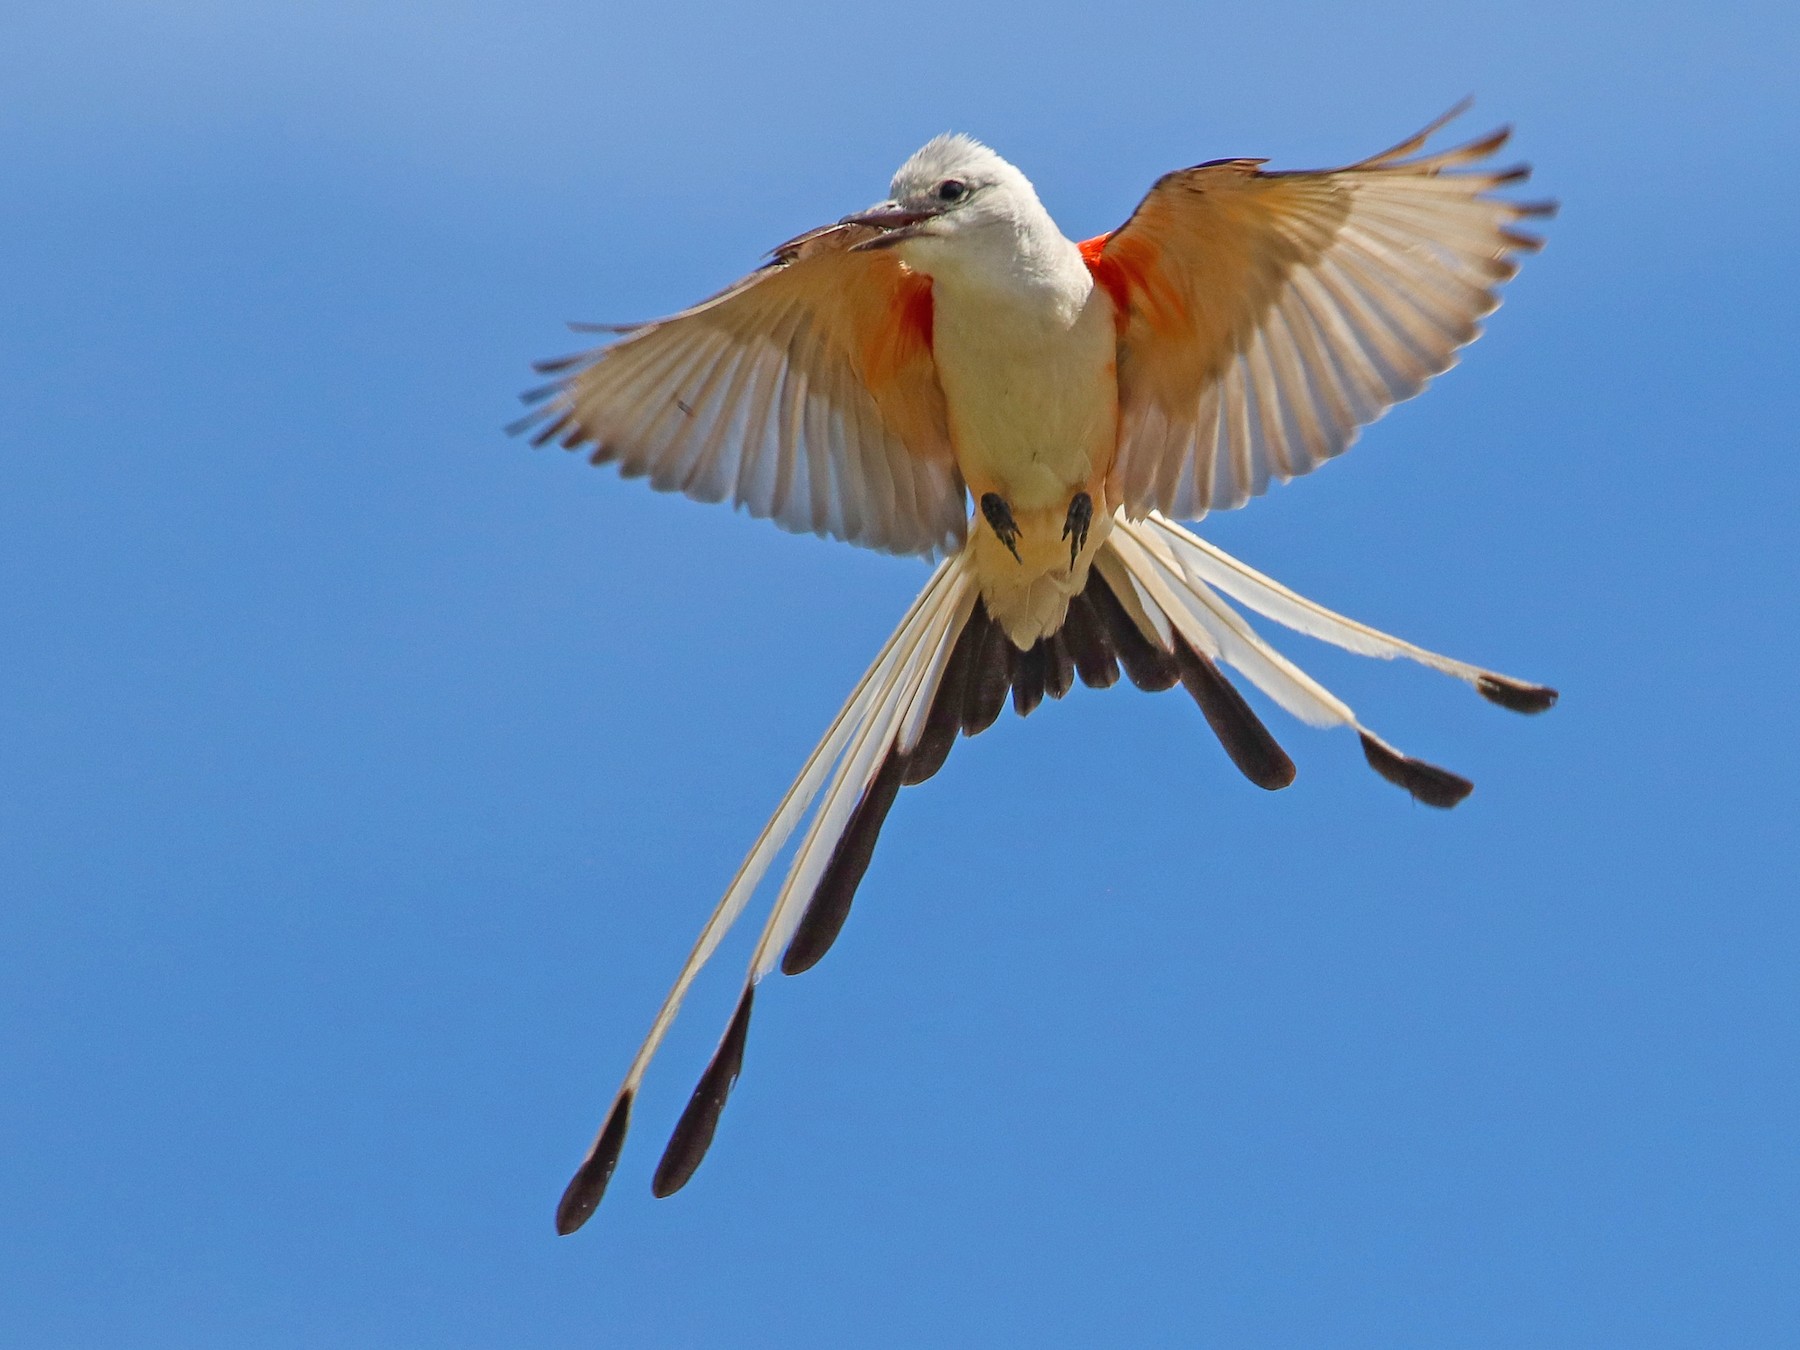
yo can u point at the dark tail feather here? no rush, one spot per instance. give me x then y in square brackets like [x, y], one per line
[830, 903]
[1516, 694]
[1098, 637]
[1030, 674]
[945, 719]
[1239, 730]
[992, 675]
[1085, 636]
[1427, 783]
[694, 1131]
[589, 1182]
[1146, 665]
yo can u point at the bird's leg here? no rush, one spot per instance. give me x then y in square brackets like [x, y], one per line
[1000, 519]
[1075, 528]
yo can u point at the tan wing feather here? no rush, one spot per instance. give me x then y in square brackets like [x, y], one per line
[1265, 317]
[806, 393]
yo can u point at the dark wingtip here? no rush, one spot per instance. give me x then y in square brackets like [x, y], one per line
[588, 1184]
[556, 365]
[694, 1131]
[1516, 695]
[520, 425]
[1427, 783]
[584, 326]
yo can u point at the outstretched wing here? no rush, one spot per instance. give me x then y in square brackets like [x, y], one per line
[806, 393]
[1265, 317]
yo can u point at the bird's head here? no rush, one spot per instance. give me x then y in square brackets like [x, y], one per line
[954, 199]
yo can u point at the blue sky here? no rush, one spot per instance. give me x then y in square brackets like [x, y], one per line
[367, 774]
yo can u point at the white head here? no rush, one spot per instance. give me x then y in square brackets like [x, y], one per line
[957, 202]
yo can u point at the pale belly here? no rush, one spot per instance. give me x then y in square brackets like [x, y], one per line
[1033, 418]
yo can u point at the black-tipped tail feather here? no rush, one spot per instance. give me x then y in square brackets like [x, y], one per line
[585, 1188]
[1427, 783]
[1098, 637]
[830, 903]
[1106, 631]
[694, 1131]
[1516, 695]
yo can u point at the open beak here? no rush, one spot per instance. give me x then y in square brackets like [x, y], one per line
[895, 222]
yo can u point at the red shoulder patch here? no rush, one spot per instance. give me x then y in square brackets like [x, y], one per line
[1109, 275]
[902, 335]
[916, 310]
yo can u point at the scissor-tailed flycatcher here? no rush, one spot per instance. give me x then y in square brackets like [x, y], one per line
[950, 344]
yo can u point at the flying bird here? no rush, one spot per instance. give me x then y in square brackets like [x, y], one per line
[945, 374]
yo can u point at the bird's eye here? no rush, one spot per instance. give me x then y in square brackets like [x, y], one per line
[952, 190]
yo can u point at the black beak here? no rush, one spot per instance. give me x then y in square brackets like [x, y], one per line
[895, 222]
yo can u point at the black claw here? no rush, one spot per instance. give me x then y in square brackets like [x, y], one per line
[1075, 528]
[1000, 519]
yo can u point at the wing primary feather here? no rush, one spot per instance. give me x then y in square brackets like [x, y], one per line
[556, 365]
[1418, 139]
[693, 1133]
[546, 433]
[588, 1184]
[584, 326]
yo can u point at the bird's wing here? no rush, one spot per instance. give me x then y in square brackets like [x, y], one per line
[1265, 317]
[806, 393]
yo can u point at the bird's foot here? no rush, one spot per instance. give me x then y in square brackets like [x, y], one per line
[1000, 519]
[1075, 527]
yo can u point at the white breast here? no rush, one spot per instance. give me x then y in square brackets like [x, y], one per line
[1027, 368]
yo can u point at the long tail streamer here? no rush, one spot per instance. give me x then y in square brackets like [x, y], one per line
[1155, 607]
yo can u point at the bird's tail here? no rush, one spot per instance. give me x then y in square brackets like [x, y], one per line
[1153, 608]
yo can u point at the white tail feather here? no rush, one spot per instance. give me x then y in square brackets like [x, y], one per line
[1214, 629]
[872, 692]
[1163, 577]
[1206, 563]
[915, 663]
